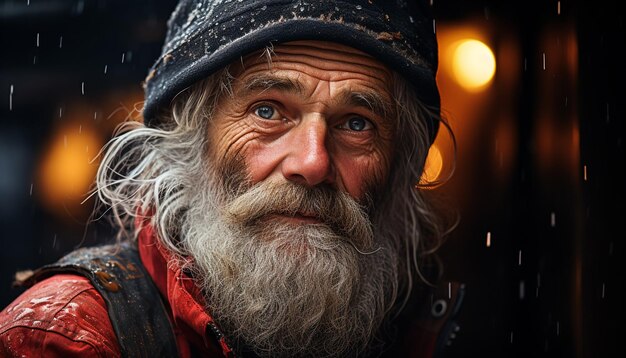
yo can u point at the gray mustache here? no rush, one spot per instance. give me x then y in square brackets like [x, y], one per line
[332, 207]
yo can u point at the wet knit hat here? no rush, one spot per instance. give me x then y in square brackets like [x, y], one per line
[207, 35]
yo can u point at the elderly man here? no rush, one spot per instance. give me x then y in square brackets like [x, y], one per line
[267, 206]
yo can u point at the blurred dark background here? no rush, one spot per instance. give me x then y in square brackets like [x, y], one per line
[539, 180]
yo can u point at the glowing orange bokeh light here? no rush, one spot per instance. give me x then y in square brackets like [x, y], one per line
[433, 166]
[473, 64]
[67, 170]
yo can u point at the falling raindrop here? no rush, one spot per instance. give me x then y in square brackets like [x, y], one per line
[359, 7]
[603, 289]
[27, 2]
[558, 328]
[11, 98]
[511, 337]
[54, 240]
[584, 172]
[434, 27]
[38, 39]
[411, 19]
[558, 8]
[31, 189]
[82, 88]
[522, 290]
[543, 57]
[61, 42]
[449, 290]
[34, 59]
[80, 128]
[552, 219]
[519, 258]
[123, 55]
[60, 112]
[106, 67]
[488, 238]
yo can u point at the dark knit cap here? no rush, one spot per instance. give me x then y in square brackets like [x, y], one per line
[207, 35]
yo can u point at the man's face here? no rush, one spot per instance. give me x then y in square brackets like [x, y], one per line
[315, 114]
[312, 134]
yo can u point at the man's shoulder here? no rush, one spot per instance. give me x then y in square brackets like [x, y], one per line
[63, 315]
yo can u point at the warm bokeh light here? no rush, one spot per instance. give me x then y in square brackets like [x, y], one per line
[67, 171]
[473, 64]
[433, 166]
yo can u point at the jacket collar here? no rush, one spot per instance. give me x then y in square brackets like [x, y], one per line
[193, 324]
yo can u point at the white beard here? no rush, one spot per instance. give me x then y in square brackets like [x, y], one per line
[283, 289]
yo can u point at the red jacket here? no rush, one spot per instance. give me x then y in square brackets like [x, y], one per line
[65, 316]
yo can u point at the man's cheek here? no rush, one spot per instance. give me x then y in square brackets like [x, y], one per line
[230, 161]
[230, 137]
[262, 159]
[363, 175]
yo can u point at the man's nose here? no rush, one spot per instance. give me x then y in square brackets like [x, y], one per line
[309, 161]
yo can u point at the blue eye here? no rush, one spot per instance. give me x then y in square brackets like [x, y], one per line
[265, 112]
[358, 124]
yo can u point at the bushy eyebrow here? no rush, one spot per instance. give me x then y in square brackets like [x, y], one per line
[265, 82]
[370, 100]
